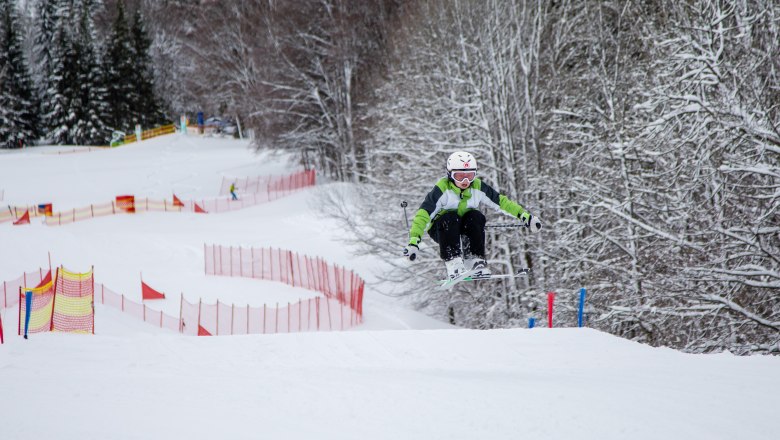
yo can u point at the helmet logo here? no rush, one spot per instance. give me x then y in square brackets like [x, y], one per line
[466, 164]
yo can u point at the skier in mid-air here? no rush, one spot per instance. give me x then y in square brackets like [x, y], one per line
[451, 212]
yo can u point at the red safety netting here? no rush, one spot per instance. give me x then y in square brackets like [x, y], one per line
[271, 185]
[106, 296]
[271, 189]
[341, 308]
[9, 295]
[74, 309]
[315, 314]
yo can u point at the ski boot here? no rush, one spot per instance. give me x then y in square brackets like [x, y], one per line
[478, 266]
[455, 268]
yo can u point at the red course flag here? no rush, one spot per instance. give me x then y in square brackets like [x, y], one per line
[149, 293]
[176, 201]
[202, 331]
[46, 280]
[199, 209]
[24, 219]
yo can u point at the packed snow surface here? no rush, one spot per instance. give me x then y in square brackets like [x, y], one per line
[400, 375]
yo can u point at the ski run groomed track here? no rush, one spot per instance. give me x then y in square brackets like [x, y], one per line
[399, 375]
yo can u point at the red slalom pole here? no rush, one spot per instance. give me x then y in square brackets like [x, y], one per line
[550, 303]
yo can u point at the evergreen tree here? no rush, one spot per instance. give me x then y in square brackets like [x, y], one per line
[16, 96]
[44, 58]
[119, 73]
[90, 126]
[145, 107]
[62, 92]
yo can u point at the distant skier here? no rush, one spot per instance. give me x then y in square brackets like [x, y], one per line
[233, 190]
[450, 211]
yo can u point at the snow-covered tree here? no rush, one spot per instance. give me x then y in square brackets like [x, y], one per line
[61, 89]
[647, 141]
[17, 96]
[119, 71]
[44, 46]
[145, 109]
[75, 93]
[91, 127]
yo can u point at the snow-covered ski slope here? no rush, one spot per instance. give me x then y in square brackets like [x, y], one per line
[400, 375]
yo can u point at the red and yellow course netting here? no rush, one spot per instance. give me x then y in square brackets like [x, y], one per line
[40, 309]
[74, 296]
[64, 305]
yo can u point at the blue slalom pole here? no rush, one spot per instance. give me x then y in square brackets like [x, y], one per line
[531, 322]
[27, 306]
[582, 306]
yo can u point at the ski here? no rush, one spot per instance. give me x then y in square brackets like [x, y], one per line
[447, 284]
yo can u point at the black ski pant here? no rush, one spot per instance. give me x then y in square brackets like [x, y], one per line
[448, 229]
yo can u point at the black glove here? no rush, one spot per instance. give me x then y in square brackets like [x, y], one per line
[530, 221]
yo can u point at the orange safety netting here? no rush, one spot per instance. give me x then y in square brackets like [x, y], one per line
[111, 208]
[74, 309]
[14, 213]
[40, 309]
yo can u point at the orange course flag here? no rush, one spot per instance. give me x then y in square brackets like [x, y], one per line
[45, 209]
[149, 293]
[199, 209]
[176, 201]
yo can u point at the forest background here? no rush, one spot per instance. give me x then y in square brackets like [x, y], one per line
[645, 134]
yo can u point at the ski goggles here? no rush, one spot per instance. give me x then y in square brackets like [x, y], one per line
[460, 176]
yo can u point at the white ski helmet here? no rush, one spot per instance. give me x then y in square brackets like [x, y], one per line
[461, 161]
[462, 167]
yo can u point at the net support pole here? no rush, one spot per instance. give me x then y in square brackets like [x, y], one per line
[92, 272]
[181, 305]
[200, 302]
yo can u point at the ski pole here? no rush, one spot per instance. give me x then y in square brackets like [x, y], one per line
[505, 226]
[404, 205]
[406, 219]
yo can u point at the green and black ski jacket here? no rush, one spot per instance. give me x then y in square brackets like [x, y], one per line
[447, 197]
